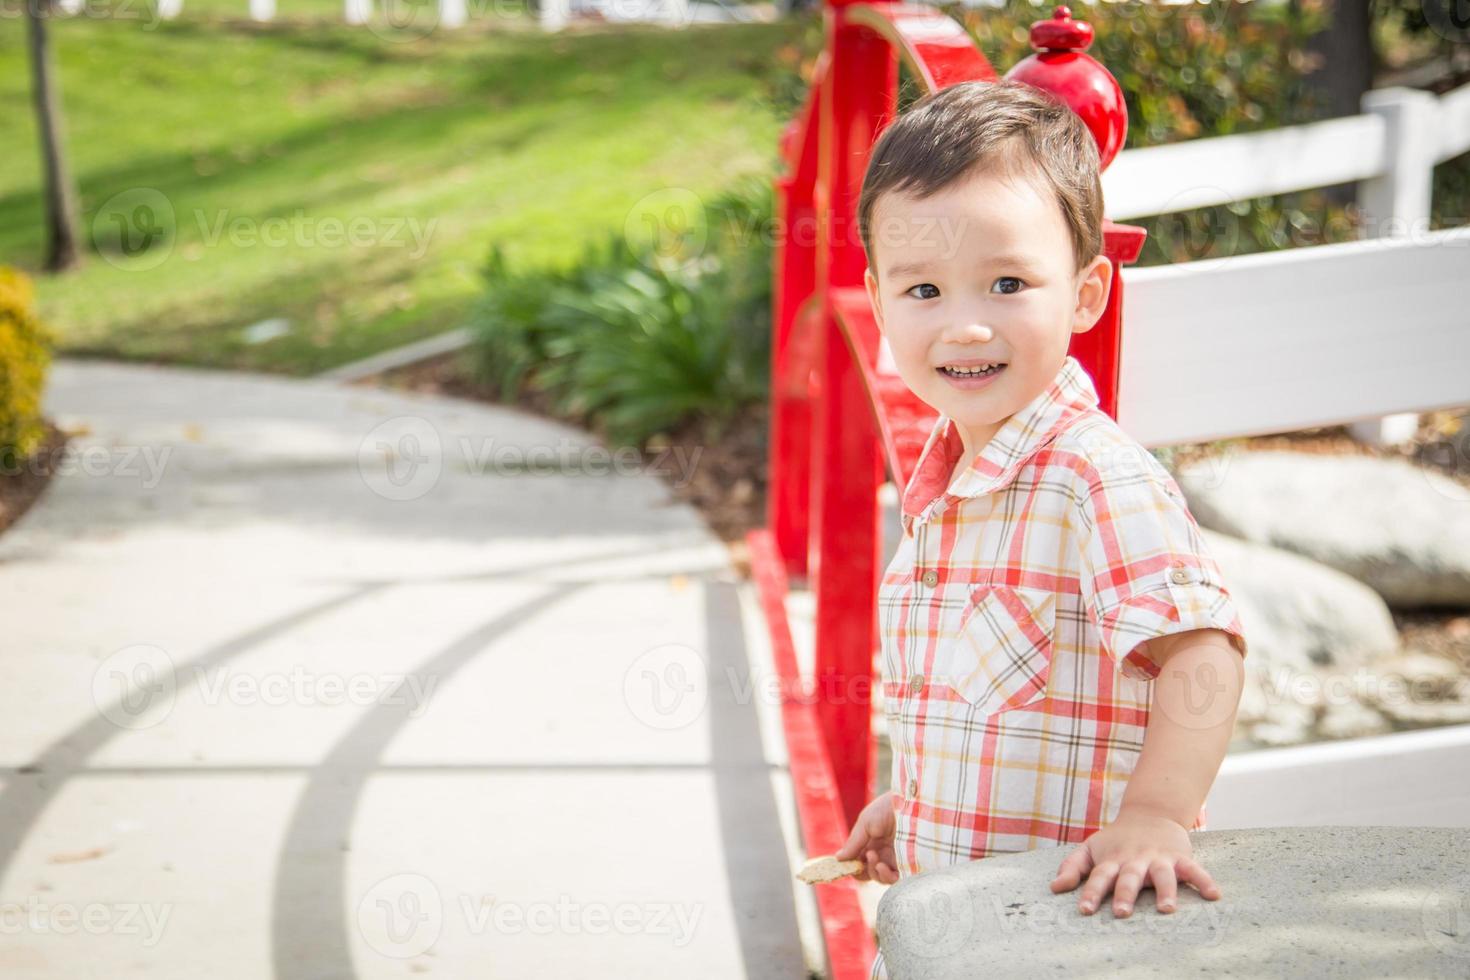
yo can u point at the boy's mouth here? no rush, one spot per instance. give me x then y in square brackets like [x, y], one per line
[972, 373]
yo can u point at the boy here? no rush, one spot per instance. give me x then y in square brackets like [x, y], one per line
[1061, 661]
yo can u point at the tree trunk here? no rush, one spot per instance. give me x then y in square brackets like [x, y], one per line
[61, 196]
[1345, 49]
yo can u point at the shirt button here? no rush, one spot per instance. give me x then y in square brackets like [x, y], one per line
[1179, 576]
[931, 579]
[913, 787]
[916, 683]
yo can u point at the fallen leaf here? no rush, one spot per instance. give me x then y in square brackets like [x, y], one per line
[72, 857]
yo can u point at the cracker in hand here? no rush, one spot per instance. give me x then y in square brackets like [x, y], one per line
[827, 868]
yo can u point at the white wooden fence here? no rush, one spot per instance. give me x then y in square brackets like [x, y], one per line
[1407, 779]
[552, 15]
[1310, 336]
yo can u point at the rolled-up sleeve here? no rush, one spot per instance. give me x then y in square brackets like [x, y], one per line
[1144, 569]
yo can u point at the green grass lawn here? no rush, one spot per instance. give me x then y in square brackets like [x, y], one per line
[350, 182]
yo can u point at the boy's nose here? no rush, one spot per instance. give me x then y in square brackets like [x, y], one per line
[973, 331]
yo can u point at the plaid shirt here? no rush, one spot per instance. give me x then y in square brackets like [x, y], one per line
[1014, 693]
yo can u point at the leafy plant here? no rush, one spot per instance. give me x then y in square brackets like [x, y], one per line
[25, 353]
[638, 340]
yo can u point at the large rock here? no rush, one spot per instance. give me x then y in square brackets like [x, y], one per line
[1402, 529]
[1418, 689]
[1313, 633]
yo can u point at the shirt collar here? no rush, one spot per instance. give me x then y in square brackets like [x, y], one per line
[1025, 433]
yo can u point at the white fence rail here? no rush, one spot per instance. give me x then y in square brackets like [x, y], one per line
[1221, 169]
[1278, 341]
[1205, 172]
[1409, 779]
[1302, 337]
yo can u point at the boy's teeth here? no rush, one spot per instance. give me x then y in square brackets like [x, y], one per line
[968, 372]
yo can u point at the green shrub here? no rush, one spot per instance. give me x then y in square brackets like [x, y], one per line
[640, 341]
[512, 319]
[25, 352]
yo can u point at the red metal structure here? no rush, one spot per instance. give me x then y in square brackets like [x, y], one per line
[828, 378]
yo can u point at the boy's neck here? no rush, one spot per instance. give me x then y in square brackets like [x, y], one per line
[974, 443]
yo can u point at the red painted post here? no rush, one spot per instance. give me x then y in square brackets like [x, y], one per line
[794, 281]
[847, 468]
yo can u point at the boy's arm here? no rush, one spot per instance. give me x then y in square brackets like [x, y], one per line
[1195, 698]
[1163, 613]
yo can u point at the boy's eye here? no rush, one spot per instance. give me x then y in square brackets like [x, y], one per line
[924, 285]
[1008, 280]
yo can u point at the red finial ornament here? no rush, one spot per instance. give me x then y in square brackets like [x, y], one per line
[1060, 67]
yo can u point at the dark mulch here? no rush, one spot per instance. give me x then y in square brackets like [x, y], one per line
[22, 485]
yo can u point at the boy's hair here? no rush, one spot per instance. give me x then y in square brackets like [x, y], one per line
[1003, 127]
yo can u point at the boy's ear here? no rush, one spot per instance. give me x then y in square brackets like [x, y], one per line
[874, 300]
[1095, 283]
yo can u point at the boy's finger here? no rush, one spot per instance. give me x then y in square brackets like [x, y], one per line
[854, 846]
[886, 874]
[1072, 870]
[1125, 889]
[1099, 883]
[1166, 888]
[1193, 872]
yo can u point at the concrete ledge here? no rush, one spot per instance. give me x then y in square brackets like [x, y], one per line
[1324, 901]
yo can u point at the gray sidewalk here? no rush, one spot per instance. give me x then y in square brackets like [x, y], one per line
[276, 708]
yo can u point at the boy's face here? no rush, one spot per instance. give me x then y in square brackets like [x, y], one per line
[981, 273]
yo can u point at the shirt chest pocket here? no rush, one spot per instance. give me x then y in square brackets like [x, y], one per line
[1001, 654]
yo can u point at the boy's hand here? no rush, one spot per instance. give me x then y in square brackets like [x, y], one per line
[1132, 851]
[871, 842]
